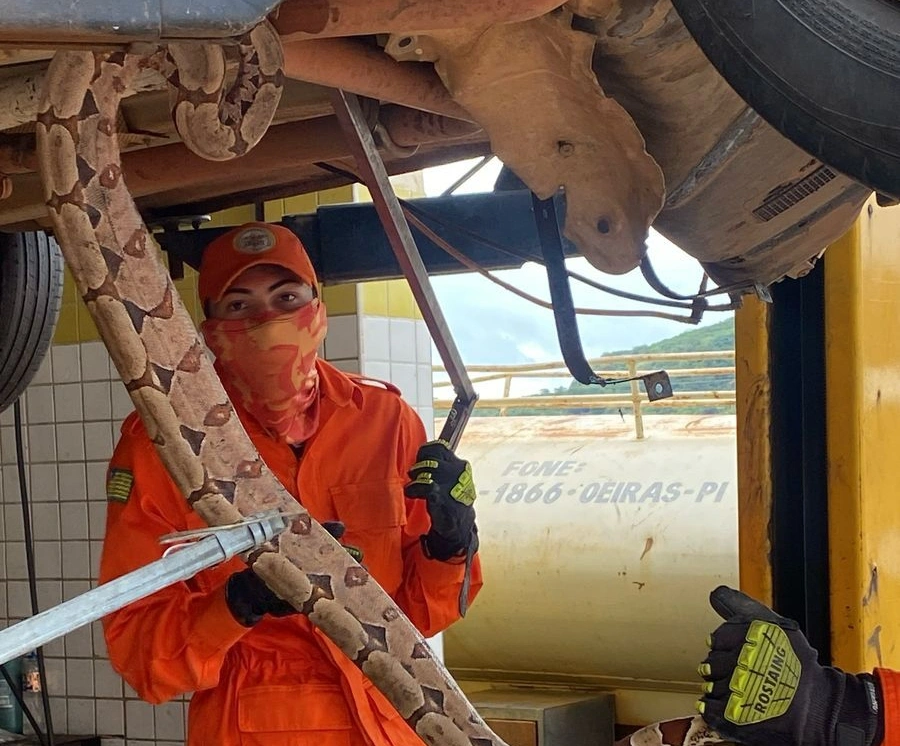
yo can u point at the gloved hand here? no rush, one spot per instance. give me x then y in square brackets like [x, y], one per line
[445, 482]
[337, 529]
[765, 687]
[249, 599]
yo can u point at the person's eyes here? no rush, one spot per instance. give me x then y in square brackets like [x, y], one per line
[235, 306]
[294, 298]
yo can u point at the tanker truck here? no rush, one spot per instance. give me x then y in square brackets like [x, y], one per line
[599, 550]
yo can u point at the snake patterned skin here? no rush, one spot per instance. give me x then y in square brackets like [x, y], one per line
[686, 731]
[161, 359]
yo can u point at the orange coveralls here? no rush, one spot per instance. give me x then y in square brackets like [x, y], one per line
[281, 682]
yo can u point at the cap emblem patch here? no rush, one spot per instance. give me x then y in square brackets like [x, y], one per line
[254, 241]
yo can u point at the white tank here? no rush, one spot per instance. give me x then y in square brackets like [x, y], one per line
[598, 550]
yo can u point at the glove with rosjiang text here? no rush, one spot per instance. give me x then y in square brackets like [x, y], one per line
[249, 599]
[765, 686]
[444, 481]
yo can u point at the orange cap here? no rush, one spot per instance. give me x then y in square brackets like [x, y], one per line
[248, 245]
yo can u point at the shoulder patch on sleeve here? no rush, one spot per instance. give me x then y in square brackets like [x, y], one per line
[376, 383]
[119, 483]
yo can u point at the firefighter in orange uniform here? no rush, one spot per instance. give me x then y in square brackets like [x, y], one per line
[354, 454]
[765, 686]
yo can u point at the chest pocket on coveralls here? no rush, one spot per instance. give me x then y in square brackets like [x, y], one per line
[374, 514]
[302, 715]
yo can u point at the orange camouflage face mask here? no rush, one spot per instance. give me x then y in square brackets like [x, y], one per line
[267, 364]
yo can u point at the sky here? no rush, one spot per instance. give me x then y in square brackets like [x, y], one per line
[521, 332]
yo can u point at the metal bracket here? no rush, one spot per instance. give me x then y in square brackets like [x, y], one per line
[172, 225]
[349, 112]
[218, 544]
[656, 384]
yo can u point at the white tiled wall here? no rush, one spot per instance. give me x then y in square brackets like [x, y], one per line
[342, 341]
[72, 414]
[399, 351]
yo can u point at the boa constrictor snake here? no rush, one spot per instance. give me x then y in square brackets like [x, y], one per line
[161, 359]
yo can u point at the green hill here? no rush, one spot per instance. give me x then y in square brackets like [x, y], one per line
[705, 339]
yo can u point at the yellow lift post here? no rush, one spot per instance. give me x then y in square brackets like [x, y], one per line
[862, 312]
[862, 423]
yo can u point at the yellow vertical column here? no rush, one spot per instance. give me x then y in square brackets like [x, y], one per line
[862, 311]
[754, 400]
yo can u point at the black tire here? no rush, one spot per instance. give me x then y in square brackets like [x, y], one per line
[31, 286]
[824, 74]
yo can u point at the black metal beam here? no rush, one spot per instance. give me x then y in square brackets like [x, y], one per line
[347, 243]
[799, 457]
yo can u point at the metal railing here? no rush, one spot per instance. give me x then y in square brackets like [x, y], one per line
[610, 366]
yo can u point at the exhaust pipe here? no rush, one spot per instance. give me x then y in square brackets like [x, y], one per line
[118, 22]
[367, 71]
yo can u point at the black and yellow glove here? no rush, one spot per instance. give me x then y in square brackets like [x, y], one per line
[249, 599]
[445, 482]
[765, 686]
